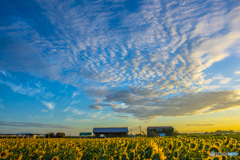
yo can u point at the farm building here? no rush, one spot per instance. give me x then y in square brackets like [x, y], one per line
[85, 134]
[110, 132]
[160, 131]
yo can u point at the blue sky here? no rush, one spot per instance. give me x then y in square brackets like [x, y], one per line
[71, 66]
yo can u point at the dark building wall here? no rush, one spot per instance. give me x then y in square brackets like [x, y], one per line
[109, 135]
[167, 131]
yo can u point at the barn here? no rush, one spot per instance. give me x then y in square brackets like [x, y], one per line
[160, 131]
[110, 132]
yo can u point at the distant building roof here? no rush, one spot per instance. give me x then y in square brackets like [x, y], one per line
[110, 130]
[160, 127]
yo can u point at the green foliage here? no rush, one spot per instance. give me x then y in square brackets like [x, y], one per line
[144, 134]
[60, 135]
[176, 132]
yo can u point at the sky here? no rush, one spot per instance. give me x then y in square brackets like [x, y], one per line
[70, 66]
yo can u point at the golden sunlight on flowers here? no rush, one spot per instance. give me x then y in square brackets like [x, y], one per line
[161, 148]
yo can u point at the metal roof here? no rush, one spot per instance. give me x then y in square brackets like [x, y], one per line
[110, 130]
[160, 127]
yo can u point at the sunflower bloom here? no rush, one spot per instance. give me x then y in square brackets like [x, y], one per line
[20, 157]
[55, 158]
[163, 157]
[4, 154]
[79, 156]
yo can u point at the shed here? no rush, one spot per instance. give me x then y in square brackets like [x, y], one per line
[110, 132]
[160, 131]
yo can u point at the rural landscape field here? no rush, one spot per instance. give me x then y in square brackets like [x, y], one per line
[141, 148]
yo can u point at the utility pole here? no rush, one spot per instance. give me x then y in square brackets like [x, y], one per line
[70, 133]
[131, 131]
[140, 130]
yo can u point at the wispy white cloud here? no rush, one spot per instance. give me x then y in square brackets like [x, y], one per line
[75, 102]
[68, 108]
[79, 120]
[44, 110]
[49, 105]
[77, 112]
[22, 89]
[3, 73]
[95, 114]
[48, 95]
[225, 81]
[75, 93]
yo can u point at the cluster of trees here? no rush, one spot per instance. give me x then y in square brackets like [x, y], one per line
[52, 135]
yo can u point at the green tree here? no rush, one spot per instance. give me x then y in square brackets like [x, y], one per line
[176, 132]
[144, 134]
[153, 134]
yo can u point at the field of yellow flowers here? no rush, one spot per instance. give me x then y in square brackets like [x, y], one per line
[158, 148]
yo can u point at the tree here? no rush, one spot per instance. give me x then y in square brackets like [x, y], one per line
[144, 134]
[60, 135]
[154, 134]
[176, 132]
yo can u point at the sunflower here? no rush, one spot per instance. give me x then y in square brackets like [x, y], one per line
[35, 152]
[214, 148]
[233, 158]
[234, 141]
[193, 146]
[4, 154]
[95, 157]
[176, 155]
[237, 146]
[224, 157]
[163, 157]
[170, 146]
[42, 153]
[218, 144]
[77, 150]
[73, 145]
[207, 147]
[20, 157]
[231, 147]
[179, 144]
[79, 156]
[55, 158]
[209, 158]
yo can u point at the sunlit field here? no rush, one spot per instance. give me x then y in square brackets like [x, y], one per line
[119, 148]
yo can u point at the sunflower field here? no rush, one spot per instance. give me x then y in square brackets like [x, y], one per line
[157, 148]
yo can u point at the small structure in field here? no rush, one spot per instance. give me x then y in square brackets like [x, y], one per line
[160, 131]
[85, 134]
[110, 132]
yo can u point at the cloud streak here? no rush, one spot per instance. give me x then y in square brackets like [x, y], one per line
[38, 125]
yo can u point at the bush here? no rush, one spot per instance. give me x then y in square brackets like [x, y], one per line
[60, 135]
